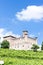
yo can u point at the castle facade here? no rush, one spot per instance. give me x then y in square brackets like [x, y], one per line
[22, 43]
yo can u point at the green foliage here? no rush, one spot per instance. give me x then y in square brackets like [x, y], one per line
[35, 47]
[5, 44]
[42, 46]
[21, 57]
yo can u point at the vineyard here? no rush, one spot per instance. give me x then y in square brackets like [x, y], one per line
[21, 57]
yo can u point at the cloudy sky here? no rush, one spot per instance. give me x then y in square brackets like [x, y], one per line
[19, 15]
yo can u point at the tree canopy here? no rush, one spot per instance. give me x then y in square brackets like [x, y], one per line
[35, 47]
[42, 46]
[5, 44]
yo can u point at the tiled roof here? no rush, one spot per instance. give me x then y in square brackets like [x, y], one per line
[9, 36]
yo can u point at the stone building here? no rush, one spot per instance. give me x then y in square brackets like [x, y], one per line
[22, 43]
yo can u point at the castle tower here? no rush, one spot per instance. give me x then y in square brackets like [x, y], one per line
[25, 34]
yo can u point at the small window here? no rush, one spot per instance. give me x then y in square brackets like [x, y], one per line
[23, 45]
[28, 46]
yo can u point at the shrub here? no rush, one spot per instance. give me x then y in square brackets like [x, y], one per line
[5, 44]
[42, 46]
[35, 47]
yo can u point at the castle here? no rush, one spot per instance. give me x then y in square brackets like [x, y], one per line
[22, 43]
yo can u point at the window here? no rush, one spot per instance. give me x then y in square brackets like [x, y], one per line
[23, 45]
[28, 46]
[18, 46]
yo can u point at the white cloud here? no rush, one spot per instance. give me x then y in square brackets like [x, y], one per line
[11, 33]
[1, 30]
[4, 32]
[39, 33]
[31, 35]
[30, 13]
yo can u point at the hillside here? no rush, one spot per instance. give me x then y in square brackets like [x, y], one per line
[21, 57]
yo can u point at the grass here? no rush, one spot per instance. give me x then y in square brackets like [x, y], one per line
[21, 57]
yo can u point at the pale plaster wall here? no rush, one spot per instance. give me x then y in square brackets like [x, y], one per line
[21, 43]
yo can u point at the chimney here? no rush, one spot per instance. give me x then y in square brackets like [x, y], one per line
[25, 34]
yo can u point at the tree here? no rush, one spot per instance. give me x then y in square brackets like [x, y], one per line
[5, 44]
[35, 47]
[42, 46]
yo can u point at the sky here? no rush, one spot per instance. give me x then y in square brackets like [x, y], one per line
[19, 15]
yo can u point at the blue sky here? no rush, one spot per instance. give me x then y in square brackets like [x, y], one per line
[19, 15]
